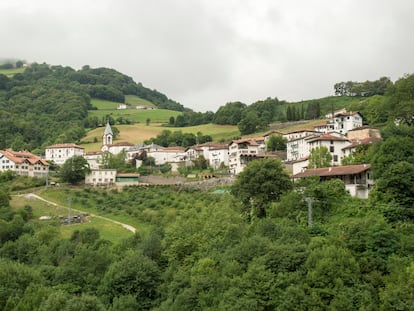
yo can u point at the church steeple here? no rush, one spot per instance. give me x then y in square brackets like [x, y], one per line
[108, 135]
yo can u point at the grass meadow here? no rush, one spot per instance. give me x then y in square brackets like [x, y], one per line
[107, 229]
[134, 115]
[137, 133]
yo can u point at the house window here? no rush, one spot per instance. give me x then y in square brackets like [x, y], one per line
[331, 149]
[335, 158]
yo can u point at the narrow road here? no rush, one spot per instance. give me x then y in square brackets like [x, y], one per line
[35, 196]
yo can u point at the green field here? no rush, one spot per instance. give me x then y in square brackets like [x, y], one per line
[132, 100]
[133, 115]
[11, 72]
[137, 133]
[107, 229]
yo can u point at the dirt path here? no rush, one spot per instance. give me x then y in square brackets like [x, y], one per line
[35, 196]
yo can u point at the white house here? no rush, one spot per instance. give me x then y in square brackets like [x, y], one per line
[94, 159]
[298, 148]
[168, 155]
[357, 178]
[101, 177]
[356, 143]
[241, 148]
[59, 153]
[344, 122]
[299, 134]
[23, 163]
[216, 154]
[300, 165]
[334, 144]
[118, 147]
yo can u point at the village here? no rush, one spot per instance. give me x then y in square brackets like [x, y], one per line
[341, 135]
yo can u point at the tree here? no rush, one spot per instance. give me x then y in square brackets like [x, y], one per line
[249, 123]
[74, 169]
[396, 184]
[320, 157]
[276, 143]
[134, 274]
[231, 113]
[260, 183]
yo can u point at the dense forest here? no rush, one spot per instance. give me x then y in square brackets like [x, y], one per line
[253, 248]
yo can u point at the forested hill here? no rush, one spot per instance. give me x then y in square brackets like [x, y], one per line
[46, 104]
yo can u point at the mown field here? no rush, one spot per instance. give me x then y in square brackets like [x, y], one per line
[106, 108]
[108, 230]
[137, 133]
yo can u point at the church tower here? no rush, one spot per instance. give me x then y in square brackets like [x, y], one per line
[108, 135]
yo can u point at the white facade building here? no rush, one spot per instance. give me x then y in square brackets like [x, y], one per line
[299, 134]
[357, 178]
[59, 153]
[215, 154]
[334, 144]
[344, 122]
[242, 148]
[23, 163]
[94, 159]
[168, 155]
[101, 177]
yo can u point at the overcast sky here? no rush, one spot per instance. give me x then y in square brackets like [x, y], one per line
[205, 53]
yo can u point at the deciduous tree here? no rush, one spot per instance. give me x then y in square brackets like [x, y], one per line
[260, 183]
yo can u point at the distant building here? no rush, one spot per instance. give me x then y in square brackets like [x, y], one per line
[241, 148]
[101, 177]
[334, 144]
[357, 178]
[109, 146]
[108, 135]
[59, 153]
[94, 159]
[23, 163]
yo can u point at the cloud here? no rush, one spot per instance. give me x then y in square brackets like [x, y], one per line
[206, 53]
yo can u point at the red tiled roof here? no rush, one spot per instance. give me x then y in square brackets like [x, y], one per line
[250, 141]
[64, 146]
[19, 157]
[364, 141]
[127, 175]
[90, 153]
[334, 171]
[300, 131]
[171, 149]
[327, 137]
[351, 113]
[120, 144]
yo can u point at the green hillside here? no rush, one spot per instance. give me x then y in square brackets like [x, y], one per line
[133, 101]
[329, 103]
[130, 115]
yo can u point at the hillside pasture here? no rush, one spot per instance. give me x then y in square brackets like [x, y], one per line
[106, 108]
[137, 133]
[133, 100]
[107, 229]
